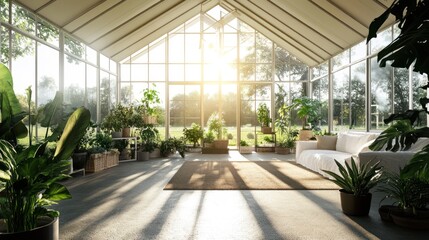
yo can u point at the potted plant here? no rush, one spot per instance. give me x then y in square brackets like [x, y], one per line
[216, 125]
[410, 197]
[149, 141]
[263, 114]
[307, 110]
[245, 148]
[405, 51]
[113, 124]
[29, 180]
[355, 183]
[170, 145]
[147, 108]
[194, 135]
[208, 139]
[80, 153]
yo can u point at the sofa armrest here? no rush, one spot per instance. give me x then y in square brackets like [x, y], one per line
[390, 161]
[304, 145]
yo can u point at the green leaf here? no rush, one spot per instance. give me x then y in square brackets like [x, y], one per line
[74, 130]
[6, 90]
[376, 24]
[57, 192]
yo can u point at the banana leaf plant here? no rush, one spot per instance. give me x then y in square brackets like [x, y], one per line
[11, 125]
[30, 178]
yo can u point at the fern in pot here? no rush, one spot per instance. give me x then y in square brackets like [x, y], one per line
[355, 183]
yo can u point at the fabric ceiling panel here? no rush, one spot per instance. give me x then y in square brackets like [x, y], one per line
[93, 13]
[63, 11]
[127, 16]
[36, 4]
[312, 30]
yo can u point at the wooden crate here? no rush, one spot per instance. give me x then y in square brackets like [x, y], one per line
[96, 162]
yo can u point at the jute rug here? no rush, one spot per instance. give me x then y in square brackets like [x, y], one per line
[246, 175]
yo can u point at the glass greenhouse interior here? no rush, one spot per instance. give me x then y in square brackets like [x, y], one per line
[202, 66]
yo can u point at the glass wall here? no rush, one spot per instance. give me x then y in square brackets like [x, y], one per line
[215, 66]
[391, 90]
[30, 47]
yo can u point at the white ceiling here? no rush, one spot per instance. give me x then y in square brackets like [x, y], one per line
[312, 30]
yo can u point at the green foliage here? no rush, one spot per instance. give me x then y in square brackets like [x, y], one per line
[11, 125]
[171, 145]
[120, 116]
[150, 137]
[263, 115]
[307, 109]
[418, 166]
[216, 124]
[120, 144]
[193, 134]
[250, 136]
[411, 45]
[398, 136]
[101, 141]
[354, 180]
[30, 178]
[407, 192]
[209, 137]
[150, 98]
[243, 143]
[85, 141]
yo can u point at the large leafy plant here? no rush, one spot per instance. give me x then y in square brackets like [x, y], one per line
[307, 109]
[356, 180]
[193, 134]
[30, 179]
[410, 48]
[263, 114]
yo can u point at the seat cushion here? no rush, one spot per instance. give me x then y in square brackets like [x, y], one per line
[318, 160]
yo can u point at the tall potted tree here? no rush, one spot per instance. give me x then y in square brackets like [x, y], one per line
[307, 110]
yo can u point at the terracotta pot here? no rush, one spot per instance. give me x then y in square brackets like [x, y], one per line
[126, 132]
[355, 205]
[48, 229]
[266, 130]
[305, 135]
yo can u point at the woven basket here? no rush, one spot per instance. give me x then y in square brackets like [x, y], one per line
[96, 162]
[112, 159]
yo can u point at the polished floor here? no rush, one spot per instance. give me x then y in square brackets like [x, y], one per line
[128, 202]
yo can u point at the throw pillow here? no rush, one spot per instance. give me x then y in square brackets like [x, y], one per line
[326, 142]
[351, 143]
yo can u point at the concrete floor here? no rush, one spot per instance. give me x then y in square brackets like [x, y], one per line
[128, 202]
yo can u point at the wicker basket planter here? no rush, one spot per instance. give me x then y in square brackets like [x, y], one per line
[112, 158]
[96, 162]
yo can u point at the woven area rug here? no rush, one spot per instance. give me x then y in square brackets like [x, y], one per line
[246, 175]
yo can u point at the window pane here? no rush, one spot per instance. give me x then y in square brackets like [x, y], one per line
[176, 48]
[320, 92]
[91, 84]
[357, 96]
[104, 94]
[381, 41]
[104, 62]
[48, 32]
[4, 10]
[23, 19]
[340, 60]
[48, 73]
[91, 55]
[74, 83]
[401, 90]
[381, 94]
[341, 94]
[74, 47]
[4, 45]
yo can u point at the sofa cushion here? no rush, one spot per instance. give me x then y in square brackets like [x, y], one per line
[318, 160]
[326, 142]
[421, 143]
[351, 143]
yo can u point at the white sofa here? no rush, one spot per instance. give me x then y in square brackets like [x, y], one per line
[393, 161]
[320, 155]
